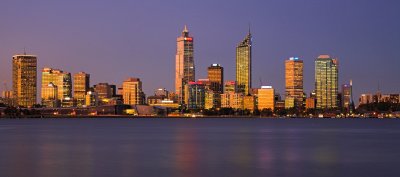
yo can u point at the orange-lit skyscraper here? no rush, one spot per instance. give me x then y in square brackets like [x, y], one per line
[294, 80]
[184, 63]
[216, 77]
[24, 78]
[81, 87]
[243, 65]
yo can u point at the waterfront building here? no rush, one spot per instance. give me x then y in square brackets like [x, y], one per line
[132, 91]
[244, 65]
[24, 77]
[232, 100]
[50, 95]
[60, 79]
[366, 99]
[184, 63]
[290, 102]
[91, 99]
[294, 82]
[212, 100]
[230, 86]
[249, 102]
[266, 98]
[326, 82]
[216, 78]
[81, 87]
[7, 97]
[347, 97]
[161, 92]
[310, 103]
[195, 95]
[103, 91]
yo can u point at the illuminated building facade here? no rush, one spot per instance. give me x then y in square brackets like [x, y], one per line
[310, 103]
[266, 98]
[347, 97]
[24, 79]
[195, 95]
[132, 92]
[294, 82]
[184, 63]
[103, 91]
[81, 87]
[326, 82]
[232, 100]
[60, 79]
[230, 86]
[249, 102]
[212, 100]
[216, 78]
[50, 95]
[243, 65]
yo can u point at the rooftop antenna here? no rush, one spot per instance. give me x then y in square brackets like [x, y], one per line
[24, 50]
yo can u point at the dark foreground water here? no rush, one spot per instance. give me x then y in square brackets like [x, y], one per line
[199, 147]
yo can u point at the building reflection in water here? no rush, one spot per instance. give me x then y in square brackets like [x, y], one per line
[186, 154]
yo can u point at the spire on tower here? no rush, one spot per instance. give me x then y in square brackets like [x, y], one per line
[185, 30]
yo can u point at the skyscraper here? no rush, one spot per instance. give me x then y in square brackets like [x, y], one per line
[132, 91]
[184, 63]
[326, 82]
[24, 80]
[243, 65]
[294, 80]
[216, 77]
[347, 97]
[81, 87]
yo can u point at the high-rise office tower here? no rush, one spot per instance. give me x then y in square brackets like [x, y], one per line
[294, 80]
[243, 65]
[216, 78]
[24, 80]
[347, 97]
[184, 63]
[132, 91]
[60, 79]
[81, 87]
[326, 82]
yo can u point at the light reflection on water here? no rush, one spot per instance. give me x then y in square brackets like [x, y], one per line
[197, 148]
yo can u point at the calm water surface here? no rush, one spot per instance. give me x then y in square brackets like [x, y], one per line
[200, 147]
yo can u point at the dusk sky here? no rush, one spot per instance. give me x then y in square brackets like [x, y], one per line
[114, 40]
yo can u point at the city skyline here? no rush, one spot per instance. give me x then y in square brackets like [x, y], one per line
[378, 62]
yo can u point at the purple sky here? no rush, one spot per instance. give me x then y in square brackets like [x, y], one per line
[113, 40]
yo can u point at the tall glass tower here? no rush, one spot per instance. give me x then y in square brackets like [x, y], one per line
[326, 82]
[243, 65]
[24, 79]
[184, 63]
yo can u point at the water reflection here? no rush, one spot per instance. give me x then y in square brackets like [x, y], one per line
[186, 154]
